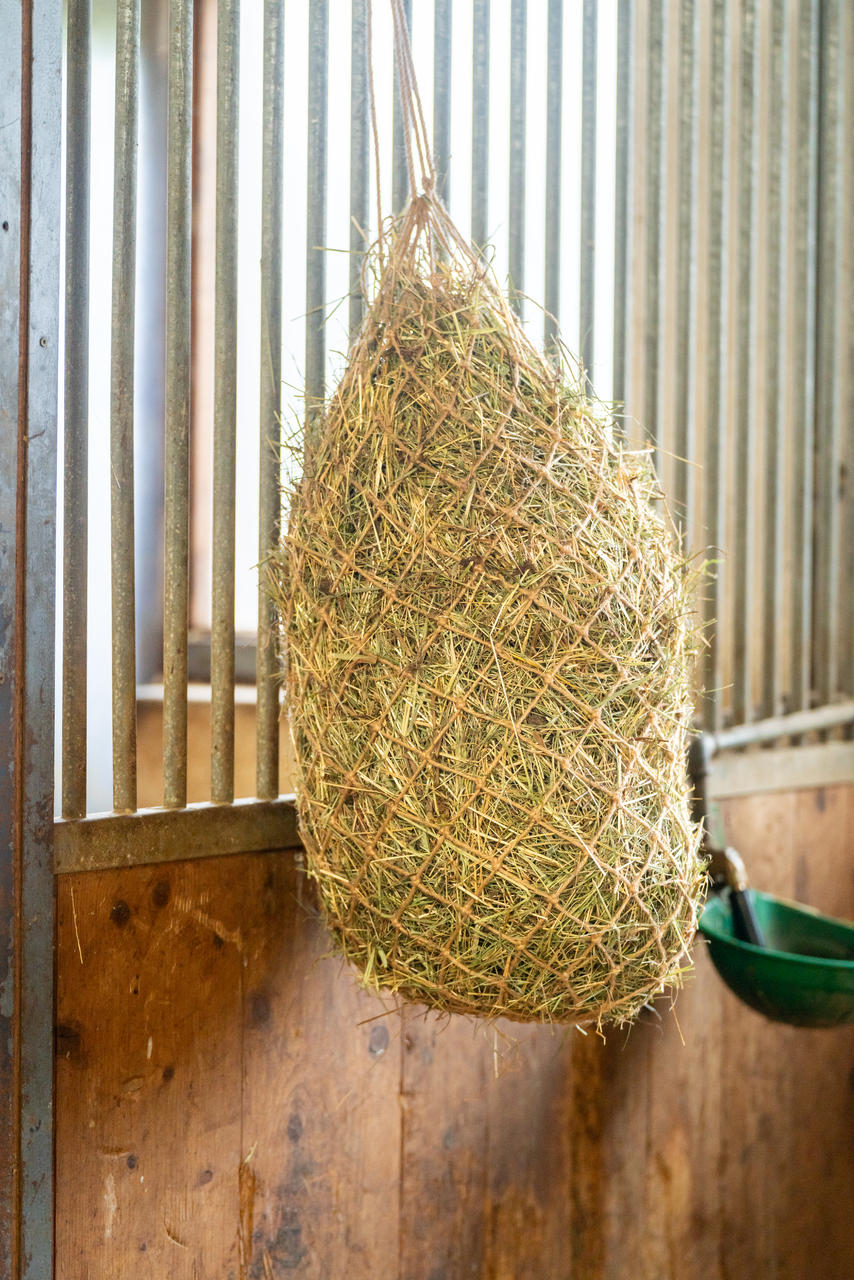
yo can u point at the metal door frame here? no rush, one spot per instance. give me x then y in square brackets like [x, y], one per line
[30, 126]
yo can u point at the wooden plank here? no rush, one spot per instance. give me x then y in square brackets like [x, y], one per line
[444, 1143]
[321, 1113]
[149, 1042]
[625, 1075]
[533, 1187]
[684, 1134]
[487, 1180]
[815, 1221]
[755, 1059]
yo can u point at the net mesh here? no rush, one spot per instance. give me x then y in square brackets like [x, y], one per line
[486, 624]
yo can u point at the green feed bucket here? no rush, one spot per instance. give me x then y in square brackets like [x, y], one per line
[804, 975]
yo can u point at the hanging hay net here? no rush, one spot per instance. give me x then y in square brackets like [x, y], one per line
[486, 627]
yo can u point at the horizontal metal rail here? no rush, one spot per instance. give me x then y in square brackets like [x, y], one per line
[775, 727]
[149, 836]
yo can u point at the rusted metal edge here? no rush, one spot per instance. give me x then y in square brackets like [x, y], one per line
[106, 840]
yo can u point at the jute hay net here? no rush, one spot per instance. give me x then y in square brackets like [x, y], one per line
[486, 630]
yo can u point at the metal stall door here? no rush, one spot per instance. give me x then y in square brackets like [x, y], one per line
[686, 221]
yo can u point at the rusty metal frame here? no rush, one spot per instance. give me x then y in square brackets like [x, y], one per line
[30, 122]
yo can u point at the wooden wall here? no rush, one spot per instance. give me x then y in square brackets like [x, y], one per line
[230, 1104]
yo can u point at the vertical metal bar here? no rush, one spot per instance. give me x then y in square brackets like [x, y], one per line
[588, 188]
[122, 407]
[744, 337]
[76, 456]
[272, 195]
[622, 188]
[828, 372]
[518, 86]
[846, 353]
[30, 128]
[399, 169]
[225, 403]
[802, 303]
[360, 159]
[11, 200]
[716, 433]
[480, 124]
[149, 394]
[11, 235]
[315, 282]
[655, 187]
[442, 98]
[775, 228]
[177, 456]
[554, 103]
[11, 195]
[684, 434]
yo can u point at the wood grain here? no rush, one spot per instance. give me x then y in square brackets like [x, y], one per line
[321, 1111]
[148, 1071]
[230, 1105]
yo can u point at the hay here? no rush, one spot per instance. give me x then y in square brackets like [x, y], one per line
[486, 630]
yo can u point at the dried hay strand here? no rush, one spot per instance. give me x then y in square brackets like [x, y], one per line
[486, 630]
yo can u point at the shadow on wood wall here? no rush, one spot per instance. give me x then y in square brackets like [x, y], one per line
[230, 1104]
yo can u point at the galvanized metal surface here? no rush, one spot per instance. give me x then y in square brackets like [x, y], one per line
[225, 404]
[10, 323]
[149, 393]
[122, 405]
[845, 621]
[801, 384]
[518, 151]
[399, 168]
[442, 61]
[829, 373]
[794, 725]
[656, 177]
[686, 272]
[717, 221]
[176, 507]
[75, 489]
[267, 730]
[622, 191]
[360, 159]
[743, 340]
[480, 124]
[588, 186]
[773, 107]
[168, 835]
[36, 634]
[30, 122]
[554, 105]
[315, 275]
